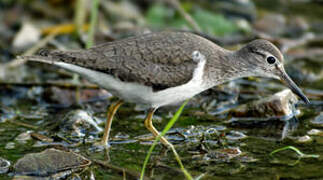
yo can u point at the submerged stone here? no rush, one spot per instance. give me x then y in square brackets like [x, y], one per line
[280, 104]
[235, 136]
[318, 120]
[223, 155]
[304, 139]
[4, 165]
[50, 163]
[315, 132]
[273, 24]
[10, 145]
[27, 36]
[78, 123]
[23, 137]
[6, 113]
[274, 127]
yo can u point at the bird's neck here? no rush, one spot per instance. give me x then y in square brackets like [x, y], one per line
[227, 66]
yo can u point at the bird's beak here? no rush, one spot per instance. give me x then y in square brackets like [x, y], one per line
[290, 83]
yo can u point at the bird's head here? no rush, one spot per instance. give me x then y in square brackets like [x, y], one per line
[268, 61]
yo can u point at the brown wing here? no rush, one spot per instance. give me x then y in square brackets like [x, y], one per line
[160, 60]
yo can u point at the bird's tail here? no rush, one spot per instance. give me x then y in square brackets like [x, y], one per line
[37, 58]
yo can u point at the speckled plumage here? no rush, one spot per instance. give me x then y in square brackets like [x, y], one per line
[160, 60]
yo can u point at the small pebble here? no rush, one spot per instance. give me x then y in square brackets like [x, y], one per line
[318, 120]
[4, 165]
[235, 136]
[315, 132]
[23, 137]
[26, 36]
[304, 139]
[10, 145]
[78, 123]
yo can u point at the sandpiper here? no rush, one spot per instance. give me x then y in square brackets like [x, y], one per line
[163, 68]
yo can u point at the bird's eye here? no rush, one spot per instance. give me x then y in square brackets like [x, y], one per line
[271, 60]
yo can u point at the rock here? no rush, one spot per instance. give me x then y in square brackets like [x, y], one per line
[273, 24]
[27, 36]
[315, 132]
[10, 145]
[223, 155]
[51, 163]
[78, 123]
[306, 66]
[124, 10]
[23, 137]
[297, 26]
[280, 104]
[6, 114]
[60, 96]
[304, 139]
[272, 127]
[236, 8]
[4, 165]
[235, 136]
[318, 120]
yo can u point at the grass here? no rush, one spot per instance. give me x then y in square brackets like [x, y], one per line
[80, 15]
[93, 22]
[167, 127]
[298, 152]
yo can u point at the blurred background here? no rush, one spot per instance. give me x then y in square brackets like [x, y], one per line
[226, 132]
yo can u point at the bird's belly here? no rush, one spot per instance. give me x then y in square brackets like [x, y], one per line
[137, 93]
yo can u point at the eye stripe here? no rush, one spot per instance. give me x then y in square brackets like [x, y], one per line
[257, 52]
[261, 54]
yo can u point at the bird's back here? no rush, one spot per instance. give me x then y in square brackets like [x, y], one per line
[160, 60]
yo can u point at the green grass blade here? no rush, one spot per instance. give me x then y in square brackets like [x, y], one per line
[167, 127]
[300, 154]
[93, 22]
[80, 15]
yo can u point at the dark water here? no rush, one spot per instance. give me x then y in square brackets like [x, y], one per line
[212, 147]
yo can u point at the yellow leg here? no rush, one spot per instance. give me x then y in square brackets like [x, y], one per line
[111, 112]
[149, 125]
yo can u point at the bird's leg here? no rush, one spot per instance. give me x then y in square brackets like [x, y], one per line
[111, 112]
[149, 125]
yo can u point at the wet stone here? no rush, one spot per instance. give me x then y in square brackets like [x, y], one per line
[223, 155]
[197, 131]
[273, 24]
[6, 114]
[318, 120]
[315, 132]
[299, 71]
[27, 36]
[78, 123]
[304, 139]
[235, 136]
[121, 136]
[23, 137]
[4, 165]
[50, 163]
[238, 9]
[265, 127]
[10, 145]
[280, 104]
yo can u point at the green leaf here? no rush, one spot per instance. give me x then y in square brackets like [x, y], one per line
[214, 23]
